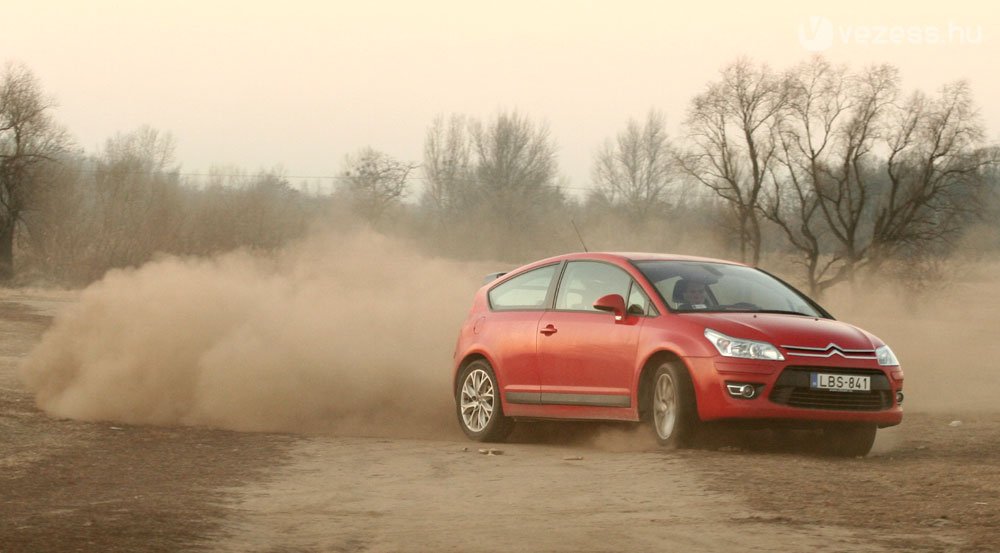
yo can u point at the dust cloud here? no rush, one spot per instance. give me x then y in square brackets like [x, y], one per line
[349, 334]
[945, 337]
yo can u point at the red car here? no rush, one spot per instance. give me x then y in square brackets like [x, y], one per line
[672, 340]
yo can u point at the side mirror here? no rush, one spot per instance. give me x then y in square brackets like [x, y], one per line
[612, 303]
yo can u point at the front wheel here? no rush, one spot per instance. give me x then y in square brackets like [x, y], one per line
[673, 407]
[477, 401]
[848, 439]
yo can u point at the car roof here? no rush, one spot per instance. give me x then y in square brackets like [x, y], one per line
[632, 256]
[494, 278]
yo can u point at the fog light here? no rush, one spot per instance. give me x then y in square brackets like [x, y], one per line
[741, 390]
[899, 397]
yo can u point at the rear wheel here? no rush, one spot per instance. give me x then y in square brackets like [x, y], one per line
[673, 410]
[848, 439]
[477, 401]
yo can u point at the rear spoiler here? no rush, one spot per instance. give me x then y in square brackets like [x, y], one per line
[493, 276]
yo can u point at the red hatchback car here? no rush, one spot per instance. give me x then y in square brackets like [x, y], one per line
[673, 340]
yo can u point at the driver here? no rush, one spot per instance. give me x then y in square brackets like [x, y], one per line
[692, 294]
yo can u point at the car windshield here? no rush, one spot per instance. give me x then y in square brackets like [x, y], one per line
[698, 286]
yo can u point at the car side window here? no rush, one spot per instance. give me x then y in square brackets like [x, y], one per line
[638, 302]
[525, 291]
[583, 282]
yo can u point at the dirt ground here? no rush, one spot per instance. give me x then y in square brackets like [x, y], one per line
[931, 484]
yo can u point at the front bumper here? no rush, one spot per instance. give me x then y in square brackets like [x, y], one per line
[783, 391]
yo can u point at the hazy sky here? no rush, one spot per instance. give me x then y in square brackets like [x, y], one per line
[300, 84]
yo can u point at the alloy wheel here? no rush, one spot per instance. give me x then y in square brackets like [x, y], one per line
[478, 400]
[664, 406]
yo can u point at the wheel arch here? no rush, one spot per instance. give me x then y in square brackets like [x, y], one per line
[466, 361]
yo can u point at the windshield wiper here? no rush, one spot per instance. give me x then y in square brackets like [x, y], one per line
[783, 312]
[724, 309]
[742, 308]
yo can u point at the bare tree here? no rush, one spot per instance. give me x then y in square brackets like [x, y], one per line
[935, 170]
[492, 185]
[28, 139]
[923, 193]
[115, 209]
[848, 196]
[137, 209]
[635, 170]
[448, 165]
[732, 126]
[55, 235]
[515, 168]
[861, 179]
[808, 134]
[374, 182]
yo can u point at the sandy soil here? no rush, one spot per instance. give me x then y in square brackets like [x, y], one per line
[930, 485]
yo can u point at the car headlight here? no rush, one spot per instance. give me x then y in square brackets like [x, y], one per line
[886, 357]
[746, 349]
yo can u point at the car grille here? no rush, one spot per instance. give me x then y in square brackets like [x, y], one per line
[830, 351]
[792, 389]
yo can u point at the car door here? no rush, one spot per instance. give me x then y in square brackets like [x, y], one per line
[586, 357]
[510, 331]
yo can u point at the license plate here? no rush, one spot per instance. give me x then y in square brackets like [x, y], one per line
[840, 382]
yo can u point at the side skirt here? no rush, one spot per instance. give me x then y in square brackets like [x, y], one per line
[588, 400]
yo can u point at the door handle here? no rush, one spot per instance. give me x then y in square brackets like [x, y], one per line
[549, 330]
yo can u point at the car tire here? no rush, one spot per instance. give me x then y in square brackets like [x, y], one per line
[477, 403]
[848, 440]
[673, 411]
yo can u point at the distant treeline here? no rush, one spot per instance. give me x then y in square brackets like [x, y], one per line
[828, 173]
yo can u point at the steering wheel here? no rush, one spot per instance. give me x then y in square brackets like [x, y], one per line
[742, 306]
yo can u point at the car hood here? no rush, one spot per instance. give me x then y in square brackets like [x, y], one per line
[787, 330]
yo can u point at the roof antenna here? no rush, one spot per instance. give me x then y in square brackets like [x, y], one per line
[578, 236]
